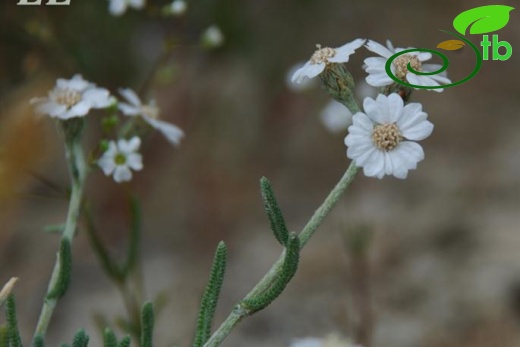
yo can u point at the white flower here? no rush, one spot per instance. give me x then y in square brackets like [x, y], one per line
[120, 157]
[336, 117]
[178, 7]
[381, 139]
[323, 56]
[377, 76]
[150, 114]
[118, 7]
[72, 98]
[213, 37]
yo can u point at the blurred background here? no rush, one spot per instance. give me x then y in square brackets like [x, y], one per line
[443, 264]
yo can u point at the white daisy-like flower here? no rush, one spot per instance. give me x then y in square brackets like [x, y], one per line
[72, 98]
[150, 114]
[323, 56]
[381, 140]
[118, 7]
[378, 77]
[336, 117]
[120, 157]
[178, 7]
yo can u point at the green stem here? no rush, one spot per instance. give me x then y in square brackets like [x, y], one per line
[78, 170]
[310, 228]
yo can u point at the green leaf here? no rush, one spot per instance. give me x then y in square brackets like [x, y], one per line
[38, 341]
[273, 212]
[12, 322]
[80, 339]
[4, 336]
[147, 323]
[483, 19]
[289, 267]
[65, 261]
[109, 338]
[209, 300]
[125, 342]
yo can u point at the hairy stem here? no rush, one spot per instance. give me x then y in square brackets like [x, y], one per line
[310, 228]
[78, 169]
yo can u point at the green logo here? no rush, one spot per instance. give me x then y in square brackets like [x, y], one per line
[479, 20]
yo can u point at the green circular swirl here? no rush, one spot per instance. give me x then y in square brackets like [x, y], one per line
[445, 64]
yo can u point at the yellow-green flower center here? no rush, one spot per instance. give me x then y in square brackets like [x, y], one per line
[120, 159]
[401, 65]
[67, 97]
[386, 136]
[322, 55]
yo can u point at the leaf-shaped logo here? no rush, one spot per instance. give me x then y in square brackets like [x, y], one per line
[451, 45]
[482, 20]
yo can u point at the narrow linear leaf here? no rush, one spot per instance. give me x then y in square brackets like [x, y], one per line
[451, 45]
[147, 323]
[80, 339]
[7, 289]
[12, 322]
[109, 338]
[4, 336]
[38, 341]
[65, 261]
[483, 19]
[290, 265]
[125, 342]
[273, 212]
[210, 297]
[135, 237]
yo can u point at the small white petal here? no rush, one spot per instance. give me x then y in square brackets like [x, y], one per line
[79, 110]
[372, 109]
[128, 110]
[395, 107]
[97, 97]
[376, 62]
[379, 49]
[137, 4]
[375, 164]
[362, 121]
[107, 164]
[379, 80]
[117, 7]
[135, 161]
[344, 52]
[423, 56]
[122, 174]
[51, 108]
[307, 71]
[130, 96]
[129, 146]
[412, 151]
[172, 133]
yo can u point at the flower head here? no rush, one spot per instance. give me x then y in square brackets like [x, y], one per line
[118, 7]
[72, 98]
[120, 157]
[381, 140]
[378, 77]
[150, 114]
[336, 117]
[323, 56]
[212, 37]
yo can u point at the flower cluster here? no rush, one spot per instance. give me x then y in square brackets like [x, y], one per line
[75, 98]
[382, 138]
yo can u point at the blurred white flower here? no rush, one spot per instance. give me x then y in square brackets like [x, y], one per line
[381, 139]
[120, 157]
[336, 117]
[377, 76]
[150, 114]
[324, 56]
[178, 7]
[118, 7]
[72, 98]
[213, 37]
[329, 341]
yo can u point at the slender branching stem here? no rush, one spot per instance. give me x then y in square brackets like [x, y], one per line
[310, 228]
